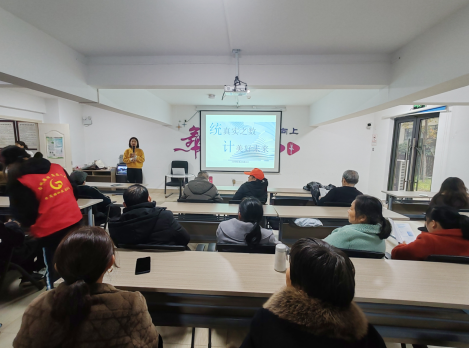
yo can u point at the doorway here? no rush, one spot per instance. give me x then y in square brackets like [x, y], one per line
[413, 152]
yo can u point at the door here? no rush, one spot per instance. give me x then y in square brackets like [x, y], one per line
[413, 153]
[54, 143]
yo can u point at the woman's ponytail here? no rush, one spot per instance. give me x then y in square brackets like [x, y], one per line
[385, 230]
[72, 304]
[464, 226]
[251, 210]
[254, 237]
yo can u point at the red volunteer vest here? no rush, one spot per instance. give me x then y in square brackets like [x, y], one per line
[58, 208]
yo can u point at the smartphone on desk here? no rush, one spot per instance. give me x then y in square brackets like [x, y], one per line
[143, 265]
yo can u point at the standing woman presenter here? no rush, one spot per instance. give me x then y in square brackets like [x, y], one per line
[134, 158]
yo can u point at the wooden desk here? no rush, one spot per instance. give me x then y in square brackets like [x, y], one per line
[210, 208]
[227, 189]
[272, 191]
[82, 204]
[320, 212]
[101, 175]
[403, 299]
[393, 195]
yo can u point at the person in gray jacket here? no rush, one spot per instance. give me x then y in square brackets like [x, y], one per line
[246, 228]
[201, 189]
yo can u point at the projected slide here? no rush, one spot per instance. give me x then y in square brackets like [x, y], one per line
[240, 141]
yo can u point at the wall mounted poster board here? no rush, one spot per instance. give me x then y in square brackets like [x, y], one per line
[29, 133]
[55, 147]
[7, 133]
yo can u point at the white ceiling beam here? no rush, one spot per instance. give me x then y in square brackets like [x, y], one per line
[435, 62]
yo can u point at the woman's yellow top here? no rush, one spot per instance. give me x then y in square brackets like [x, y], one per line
[139, 160]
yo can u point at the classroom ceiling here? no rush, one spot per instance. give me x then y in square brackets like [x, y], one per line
[258, 96]
[215, 27]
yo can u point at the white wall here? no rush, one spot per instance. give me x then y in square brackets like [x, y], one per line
[450, 155]
[325, 151]
[69, 112]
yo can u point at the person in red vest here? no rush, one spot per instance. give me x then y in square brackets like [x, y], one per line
[448, 234]
[41, 199]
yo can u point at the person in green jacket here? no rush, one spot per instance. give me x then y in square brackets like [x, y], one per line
[368, 229]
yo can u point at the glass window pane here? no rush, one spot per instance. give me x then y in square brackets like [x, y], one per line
[401, 164]
[425, 155]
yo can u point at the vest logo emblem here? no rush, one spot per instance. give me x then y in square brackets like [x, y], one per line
[58, 183]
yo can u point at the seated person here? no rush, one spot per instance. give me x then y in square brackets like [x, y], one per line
[79, 178]
[316, 308]
[368, 229]
[344, 194]
[453, 193]
[83, 311]
[201, 189]
[246, 229]
[142, 222]
[448, 234]
[256, 186]
[27, 251]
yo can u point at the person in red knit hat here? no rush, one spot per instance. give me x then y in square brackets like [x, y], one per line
[448, 234]
[41, 199]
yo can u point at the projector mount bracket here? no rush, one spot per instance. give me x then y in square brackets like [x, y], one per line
[238, 85]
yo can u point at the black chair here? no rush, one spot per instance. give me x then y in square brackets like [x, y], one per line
[175, 182]
[449, 259]
[363, 254]
[244, 248]
[153, 247]
[337, 204]
[183, 200]
[290, 201]
[6, 265]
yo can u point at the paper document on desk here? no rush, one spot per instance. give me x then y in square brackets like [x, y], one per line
[323, 191]
[402, 231]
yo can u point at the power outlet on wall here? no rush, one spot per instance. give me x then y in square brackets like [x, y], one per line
[233, 181]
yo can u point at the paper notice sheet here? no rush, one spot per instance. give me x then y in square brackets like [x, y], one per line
[402, 231]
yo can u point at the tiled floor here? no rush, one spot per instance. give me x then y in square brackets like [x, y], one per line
[14, 300]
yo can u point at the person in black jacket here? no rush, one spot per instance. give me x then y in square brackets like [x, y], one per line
[345, 194]
[256, 186]
[144, 223]
[85, 191]
[316, 308]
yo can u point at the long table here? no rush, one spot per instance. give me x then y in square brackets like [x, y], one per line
[111, 187]
[272, 191]
[407, 301]
[210, 208]
[82, 204]
[408, 195]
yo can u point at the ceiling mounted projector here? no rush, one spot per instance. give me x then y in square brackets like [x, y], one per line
[239, 88]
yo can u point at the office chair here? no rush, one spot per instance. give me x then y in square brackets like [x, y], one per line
[152, 247]
[449, 259]
[244, 248]
[337, 204]
[175, 181]
[290, 201]
[183, 200]
[363, 254]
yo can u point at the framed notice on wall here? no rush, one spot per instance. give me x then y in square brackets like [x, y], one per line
[7, 133]
[55, 147]
[29, 133]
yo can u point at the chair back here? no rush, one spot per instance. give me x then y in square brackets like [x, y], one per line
[289, 201]
[179, 164]
[363, 254]
[244, 248]
[153, 247]
[337, 204]
[183, 200]
[449, 259]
